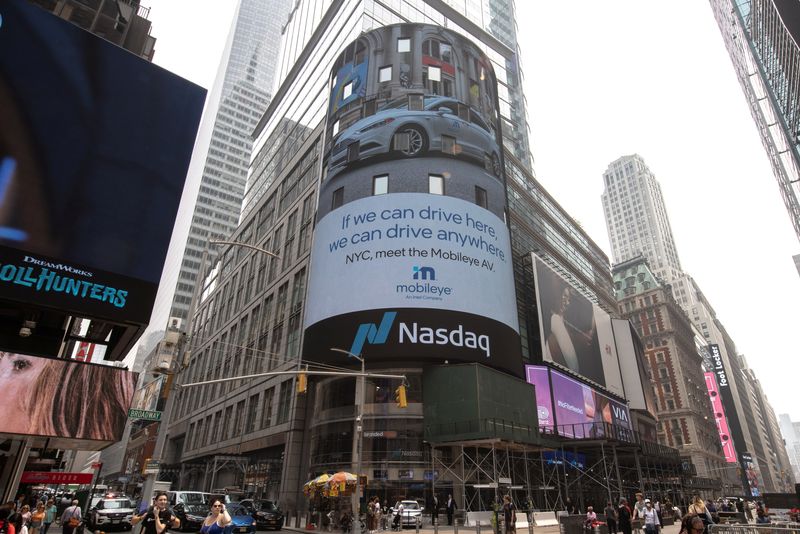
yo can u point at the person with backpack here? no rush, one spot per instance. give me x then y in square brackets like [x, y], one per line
[71, 518]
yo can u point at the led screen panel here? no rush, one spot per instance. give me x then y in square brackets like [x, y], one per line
[64, 398]
[575, 407]
[411, 260]
[95, 143]
[575, 333]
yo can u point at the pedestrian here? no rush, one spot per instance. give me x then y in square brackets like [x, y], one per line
[435, 510]
[509, 515]
[159, 518]
[590, 520]
[71, 518]
[25, 514]
[611, 518]
[692, 524]
[372, 523]
[50, 513]
[451, 509]
[570, 506]
[698, 508]
[624, 517]
[636, 514]
[651, 522]
[376, 504]
[37, 518]
[6, 525]
[217, 519]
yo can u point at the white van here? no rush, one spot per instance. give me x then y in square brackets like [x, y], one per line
[188, 497]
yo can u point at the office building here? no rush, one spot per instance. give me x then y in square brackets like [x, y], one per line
[247, 72]
[259, 435]
[790, 431]
[762, 39]
[675, 369]
[636, 217]
[123, 22]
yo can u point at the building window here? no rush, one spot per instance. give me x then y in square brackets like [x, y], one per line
[353, 151]
[380, 184]
[284, 401]
[435, 184]
[347, 90]
[404, 44]
[385, 74]
[481, 198]
[670, 404]
[269, 397]
[335, 129]
[337, 199]
[434, 74]
[416, 102]
[449, 145]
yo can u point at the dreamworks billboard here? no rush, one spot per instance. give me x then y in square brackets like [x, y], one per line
[412, 258]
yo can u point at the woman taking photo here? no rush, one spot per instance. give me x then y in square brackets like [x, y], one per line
[217, 520]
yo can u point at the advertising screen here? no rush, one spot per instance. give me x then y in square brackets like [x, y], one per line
[95, 143]
[575, 333]
[411, 259]
[540, 378]
[64, 398]
[630, 352]
[719, 416]
[575, 406]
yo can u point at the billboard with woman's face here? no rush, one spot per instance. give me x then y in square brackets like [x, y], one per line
[576, 333]
[64, 398]
[411, 259]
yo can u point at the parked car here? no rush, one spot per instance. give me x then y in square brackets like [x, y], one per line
[439, 116]
[191, 515]
[242, 521]
[111, 512]
[266, 513]
[412, 513]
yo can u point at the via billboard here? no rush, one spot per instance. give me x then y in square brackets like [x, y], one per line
[575, 408]
[95, 144]
[575, 333]
[63, 398]
[411, 259]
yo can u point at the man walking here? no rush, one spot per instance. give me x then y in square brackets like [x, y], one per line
[451, 509]
[71, 518]
[611, 518]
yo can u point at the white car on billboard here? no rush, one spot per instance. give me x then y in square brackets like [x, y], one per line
[440, 116]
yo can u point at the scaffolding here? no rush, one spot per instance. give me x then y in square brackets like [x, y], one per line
[589, 470]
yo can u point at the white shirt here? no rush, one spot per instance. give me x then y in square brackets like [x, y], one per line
[650, 517]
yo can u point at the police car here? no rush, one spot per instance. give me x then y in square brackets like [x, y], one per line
[111, 511]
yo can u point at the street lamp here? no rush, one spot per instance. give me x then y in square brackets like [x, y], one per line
[357, 434]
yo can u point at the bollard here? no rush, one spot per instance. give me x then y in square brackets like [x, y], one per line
[477, 527]
[455, 526]
[435, 527]
[530, 525]
[416, 524]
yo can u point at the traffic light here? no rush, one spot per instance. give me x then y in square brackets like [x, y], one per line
[400, 396]
[302, 382]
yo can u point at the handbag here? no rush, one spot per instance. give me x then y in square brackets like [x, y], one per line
[73, 521]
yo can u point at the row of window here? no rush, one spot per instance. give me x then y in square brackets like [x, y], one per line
[436, 186]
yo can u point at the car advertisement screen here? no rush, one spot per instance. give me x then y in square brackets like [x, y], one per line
[64, 398]
[575, 333]
[411, 259]
[95, 143]
[577, 407]
[719, 416]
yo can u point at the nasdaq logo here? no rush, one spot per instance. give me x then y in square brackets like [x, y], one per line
[372, 334]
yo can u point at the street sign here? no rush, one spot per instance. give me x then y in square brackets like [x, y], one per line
[147, 415]
[150, 467]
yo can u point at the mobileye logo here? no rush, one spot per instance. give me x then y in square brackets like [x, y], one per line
[424, 289]
[413, 333]
[424, 273]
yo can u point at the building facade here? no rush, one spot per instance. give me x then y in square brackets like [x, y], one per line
[636, 217]
[122, 22]
[790, 431]
[247, 72]
[675, 368]
[762, 39]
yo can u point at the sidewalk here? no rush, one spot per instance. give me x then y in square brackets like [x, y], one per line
[485, 529]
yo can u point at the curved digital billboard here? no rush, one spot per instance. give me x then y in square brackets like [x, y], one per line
[411, 259]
